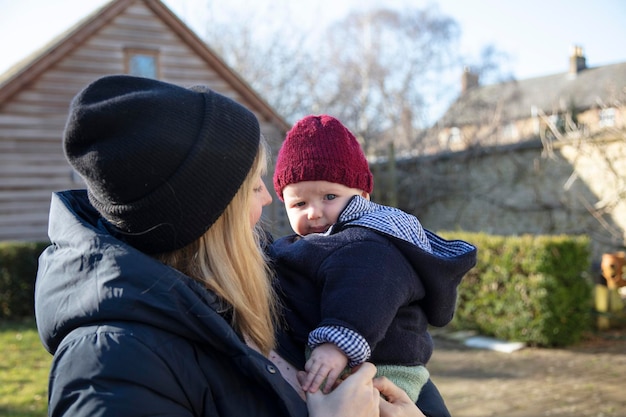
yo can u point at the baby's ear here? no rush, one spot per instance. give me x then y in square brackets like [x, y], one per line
[365, 195]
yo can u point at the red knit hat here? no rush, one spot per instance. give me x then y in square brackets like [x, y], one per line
[320, 148]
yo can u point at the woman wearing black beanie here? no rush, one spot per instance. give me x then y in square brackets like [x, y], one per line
[154, 297]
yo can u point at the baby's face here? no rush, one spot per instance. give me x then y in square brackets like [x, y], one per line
[314, 206]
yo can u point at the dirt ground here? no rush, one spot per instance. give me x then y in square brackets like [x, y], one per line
[588, 379]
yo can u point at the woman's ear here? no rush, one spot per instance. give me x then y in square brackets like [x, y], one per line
[365, 195]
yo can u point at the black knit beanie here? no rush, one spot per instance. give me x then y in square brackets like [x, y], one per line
[161, 162]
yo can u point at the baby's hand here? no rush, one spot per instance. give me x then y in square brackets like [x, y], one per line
[327, 362]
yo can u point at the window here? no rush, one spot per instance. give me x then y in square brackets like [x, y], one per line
[455, 141]
[607, 117]
[450, 139]
[558, 122]
[510, 131]
[455, 136]
[142, 63]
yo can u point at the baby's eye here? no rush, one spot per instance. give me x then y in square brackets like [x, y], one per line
[331, 196]
[299, 204]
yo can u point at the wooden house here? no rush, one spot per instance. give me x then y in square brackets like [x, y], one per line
[139, 37]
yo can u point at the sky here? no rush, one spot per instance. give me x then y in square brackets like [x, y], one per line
[537, 35]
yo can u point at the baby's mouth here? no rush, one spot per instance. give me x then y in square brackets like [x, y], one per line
[319, 229]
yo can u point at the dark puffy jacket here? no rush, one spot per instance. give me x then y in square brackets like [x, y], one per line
[133, 337]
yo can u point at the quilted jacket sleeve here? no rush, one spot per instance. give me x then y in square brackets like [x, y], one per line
[365, 284]
[109, 373]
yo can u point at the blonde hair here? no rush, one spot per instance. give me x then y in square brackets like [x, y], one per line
[228, 259]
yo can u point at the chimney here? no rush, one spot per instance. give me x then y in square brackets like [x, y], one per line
[577, 61]
[469, 80]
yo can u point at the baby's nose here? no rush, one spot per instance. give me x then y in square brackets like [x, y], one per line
[314, 213]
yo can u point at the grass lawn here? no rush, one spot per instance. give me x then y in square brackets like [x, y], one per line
[23, 370]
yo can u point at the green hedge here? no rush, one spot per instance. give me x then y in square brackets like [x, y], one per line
[533, 289]
[18, 270]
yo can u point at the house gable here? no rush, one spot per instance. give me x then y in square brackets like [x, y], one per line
[146, 24]
[35, 98]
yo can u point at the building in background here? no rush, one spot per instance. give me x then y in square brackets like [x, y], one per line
[581, 101]
[545, 155]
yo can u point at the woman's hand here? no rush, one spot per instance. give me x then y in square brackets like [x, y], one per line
[396, 403]
[355, 396]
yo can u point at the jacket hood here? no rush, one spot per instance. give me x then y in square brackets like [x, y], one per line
[88, 277]
[384, 219]
[440, 264]
[399, 225]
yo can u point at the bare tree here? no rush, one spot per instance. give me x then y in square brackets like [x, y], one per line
[273, 64]
[375, 70]
[490, 65]
[385, 64]
[604, 152]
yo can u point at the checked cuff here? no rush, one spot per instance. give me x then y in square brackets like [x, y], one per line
[350, 342]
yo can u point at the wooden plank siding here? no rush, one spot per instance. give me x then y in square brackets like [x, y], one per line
[34, 103]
